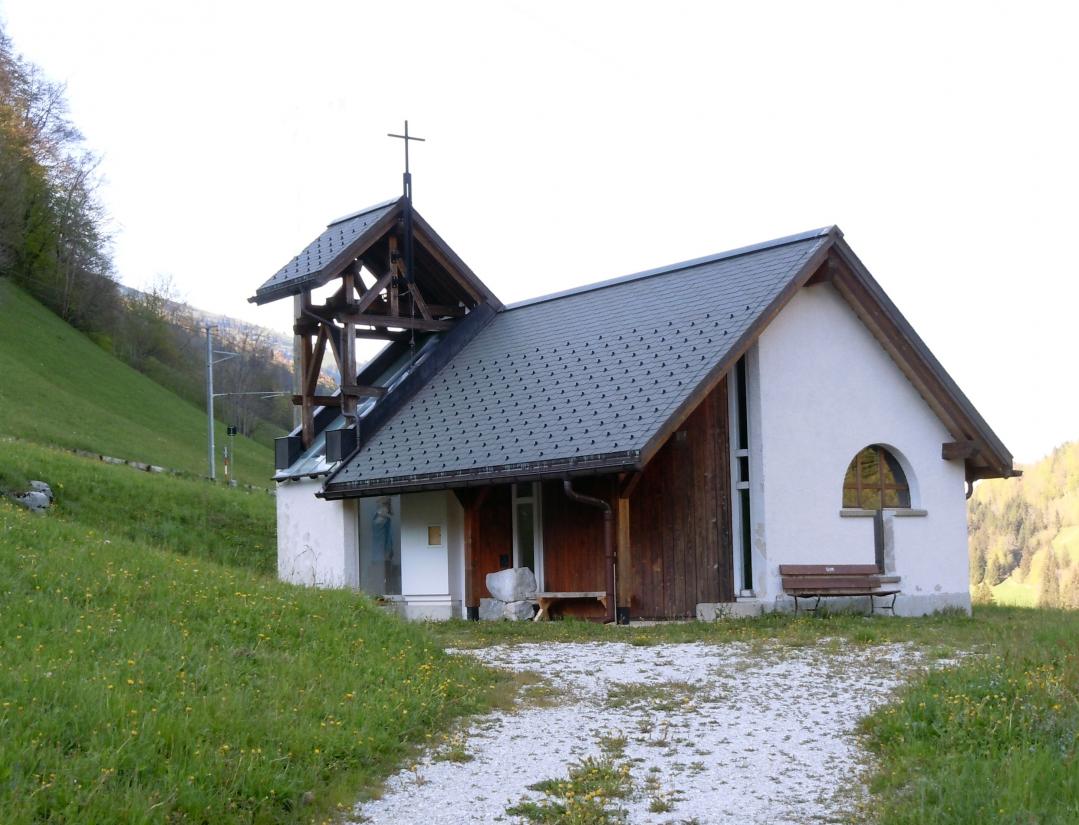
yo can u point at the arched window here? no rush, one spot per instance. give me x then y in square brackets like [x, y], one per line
[875, 480]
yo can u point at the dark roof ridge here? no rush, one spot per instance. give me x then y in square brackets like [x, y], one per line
[363, 211]
[664, 270]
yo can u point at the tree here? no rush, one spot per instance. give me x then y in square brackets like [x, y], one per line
[983, 594]
[1025, 561]
[1070, 597]
[1049, 590]
[993, 573]
[53, 241]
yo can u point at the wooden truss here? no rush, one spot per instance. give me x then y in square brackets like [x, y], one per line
[374, 300]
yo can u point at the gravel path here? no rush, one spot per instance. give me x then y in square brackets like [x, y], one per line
[718, 733]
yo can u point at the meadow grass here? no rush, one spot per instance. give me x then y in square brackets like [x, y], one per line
[948, 629]
[190, 516]
[589, 795]
[141, 686]
[995, 739]
[59, 387]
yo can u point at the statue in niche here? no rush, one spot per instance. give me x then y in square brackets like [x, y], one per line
[382, 550]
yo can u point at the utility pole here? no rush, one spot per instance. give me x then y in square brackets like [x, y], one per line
[210, 400]
[210, 396]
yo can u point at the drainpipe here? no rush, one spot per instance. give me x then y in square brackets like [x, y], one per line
[608, 540]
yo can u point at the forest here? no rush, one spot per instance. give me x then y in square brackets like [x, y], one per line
[1024, 534]
[55, 243]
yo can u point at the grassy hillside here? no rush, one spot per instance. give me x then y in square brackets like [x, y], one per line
[1020, 527]
[139, 685]
[184, 515]
[58, 387]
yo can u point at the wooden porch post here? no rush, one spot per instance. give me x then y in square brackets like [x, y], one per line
[623, 545]
[471, 502]
[471, 522]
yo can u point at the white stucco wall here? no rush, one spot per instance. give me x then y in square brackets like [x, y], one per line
[425, 567]
[316, 539]
[455, 515]
[318, 545]
[821, 389]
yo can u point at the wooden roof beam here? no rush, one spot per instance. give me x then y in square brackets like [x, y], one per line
[953, 450]
[369, 297]
[395, 321]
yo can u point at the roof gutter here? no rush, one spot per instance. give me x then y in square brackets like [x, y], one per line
[627, 461]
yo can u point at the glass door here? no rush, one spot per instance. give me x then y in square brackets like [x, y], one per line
[528, 529]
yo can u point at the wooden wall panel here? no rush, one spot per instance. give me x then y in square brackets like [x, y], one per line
[680, 525]
[573, 536]
[494, 537]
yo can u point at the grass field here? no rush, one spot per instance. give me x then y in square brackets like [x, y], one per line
[993, 740]
[59, 388]
[140, 685]
[186, 515]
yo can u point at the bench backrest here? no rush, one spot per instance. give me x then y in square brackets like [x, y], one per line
[829, 570]
[817, 578]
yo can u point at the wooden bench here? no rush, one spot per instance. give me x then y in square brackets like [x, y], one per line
[819, 581]
[548, 600]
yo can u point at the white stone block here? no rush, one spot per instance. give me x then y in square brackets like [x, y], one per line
[513, 585]
[491, 610]
[521, 611]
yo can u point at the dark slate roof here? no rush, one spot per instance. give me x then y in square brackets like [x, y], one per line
[309, 265]
[578, 380]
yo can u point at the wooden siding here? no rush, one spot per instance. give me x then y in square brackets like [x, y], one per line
[679, 526]
[680, 522]
[573, 536]
[494, 538]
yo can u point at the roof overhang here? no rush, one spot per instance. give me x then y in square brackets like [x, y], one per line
[975, 443]
[984, 454]
[483, 476]
[435, 258]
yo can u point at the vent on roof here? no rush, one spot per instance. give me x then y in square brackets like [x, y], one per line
[340, 443]
[286, 450]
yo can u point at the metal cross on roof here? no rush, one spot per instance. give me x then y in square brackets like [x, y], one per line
[406, 137]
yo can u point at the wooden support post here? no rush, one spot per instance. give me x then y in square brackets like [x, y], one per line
[471, 501]
[395, 270]
[348, 349]
[299, 374]
[623, 553]
[307, 418]
[471, 527]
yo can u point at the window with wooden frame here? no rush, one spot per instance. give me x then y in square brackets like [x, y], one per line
[875, 481]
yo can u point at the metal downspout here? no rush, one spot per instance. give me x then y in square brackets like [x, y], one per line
[608, 540]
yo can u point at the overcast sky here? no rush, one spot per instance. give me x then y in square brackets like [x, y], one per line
[570, 142]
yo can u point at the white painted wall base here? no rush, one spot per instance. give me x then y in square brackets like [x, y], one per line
[741, 609]
[906, 604]
[431, 610]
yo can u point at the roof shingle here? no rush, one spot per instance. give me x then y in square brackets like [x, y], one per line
[316, 256]
[578, 378]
